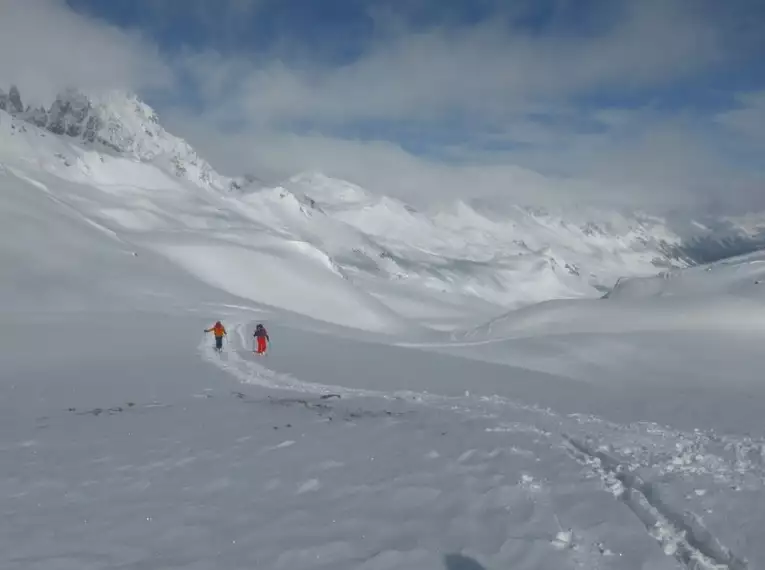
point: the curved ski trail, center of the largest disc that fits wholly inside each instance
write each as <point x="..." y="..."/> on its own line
<point x="698" y="468"/>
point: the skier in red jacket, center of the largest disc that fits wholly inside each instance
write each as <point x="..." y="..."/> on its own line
<point x="261" y="334"/>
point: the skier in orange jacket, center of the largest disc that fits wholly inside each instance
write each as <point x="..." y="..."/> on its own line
<point x="219" y="331"/>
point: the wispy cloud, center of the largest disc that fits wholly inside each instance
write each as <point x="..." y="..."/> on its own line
<point x="46" y="46"/>
<point x="486" y="70"/>
<point x="630" y="105"/>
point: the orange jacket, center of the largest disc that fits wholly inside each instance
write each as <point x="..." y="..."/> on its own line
<point x="217" y="330"/>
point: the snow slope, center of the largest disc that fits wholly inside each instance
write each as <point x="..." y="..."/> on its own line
<point x="482" y="252"/>
<point x="620" y="432"/>
<point x="162" y="461"/>
<point x="199" y="230"/>
<point x="522" y="258"/>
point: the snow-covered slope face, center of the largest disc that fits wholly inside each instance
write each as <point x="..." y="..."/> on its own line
<point x="519" y="258"/>
<point x="94" y="197"/>
<point x="136" y="177"/>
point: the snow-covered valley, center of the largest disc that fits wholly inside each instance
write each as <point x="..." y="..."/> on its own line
<point x="445" y="389"/>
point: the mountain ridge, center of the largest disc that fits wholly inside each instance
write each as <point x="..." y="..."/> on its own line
<point x="506" y="253"/>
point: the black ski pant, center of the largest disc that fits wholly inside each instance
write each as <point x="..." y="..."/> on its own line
<point x="219" y="343"/>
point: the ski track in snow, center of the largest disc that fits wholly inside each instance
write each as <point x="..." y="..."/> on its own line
<point x="675" y="460"/>
<point x="681" y="535"/>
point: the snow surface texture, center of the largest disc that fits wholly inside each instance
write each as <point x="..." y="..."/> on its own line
<point x="394" y="423"/>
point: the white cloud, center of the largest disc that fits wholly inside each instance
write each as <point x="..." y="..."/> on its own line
<point x="382" y="167"/>
<point x="491" y="83"/>
<point x="486" y="71"/>
<point x="470" y="96"/>
<point x="662" y="166"/>
<point x="47" y="47"/>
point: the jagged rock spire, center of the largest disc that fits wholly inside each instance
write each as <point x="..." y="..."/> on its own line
<point x="72" y="114"/>
<point x="11" y="102"/>
<point x="122" y="123"/>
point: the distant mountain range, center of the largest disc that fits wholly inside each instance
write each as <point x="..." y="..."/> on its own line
<point x="503" y="253"/>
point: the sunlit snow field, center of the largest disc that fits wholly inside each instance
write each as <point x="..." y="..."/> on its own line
<point x="394" y="423"/>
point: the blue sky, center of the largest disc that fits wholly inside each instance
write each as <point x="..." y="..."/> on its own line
<point x="650" y="101"/>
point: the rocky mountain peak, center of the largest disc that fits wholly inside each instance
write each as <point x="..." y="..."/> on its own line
<point x="71" y="114"/>
<point x="122" y="123"/>
<point x="11" y="102"/>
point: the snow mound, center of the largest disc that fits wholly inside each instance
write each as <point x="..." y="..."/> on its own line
<point x="291" y="276"/>
<point x="280" y="202"/>
<point x="329" y="192"/>
<point x="735" y="276"/>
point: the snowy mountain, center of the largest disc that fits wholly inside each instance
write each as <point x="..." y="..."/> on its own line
<point x="709" y="238"/>
<point x="500" y="255"/>
<point x="443" y="390"/>
<point x="122" y="123"/>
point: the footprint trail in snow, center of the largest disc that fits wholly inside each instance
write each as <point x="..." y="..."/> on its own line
<point x="530" y="478"/>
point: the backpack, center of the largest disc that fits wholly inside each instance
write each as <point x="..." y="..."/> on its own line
<point x="260" y="330"/>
